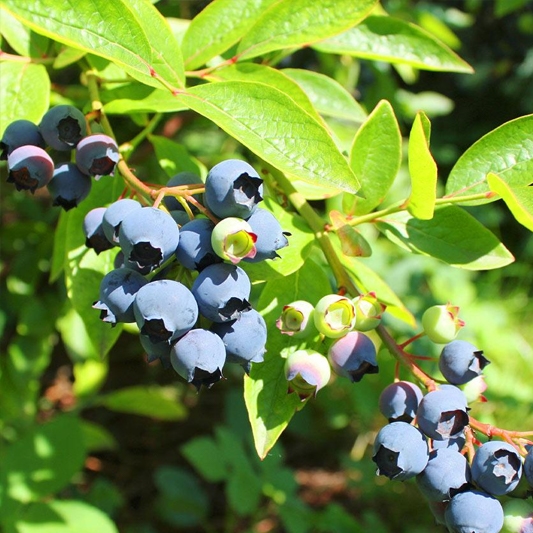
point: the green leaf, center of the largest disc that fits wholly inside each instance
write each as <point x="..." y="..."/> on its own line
<point x="299" y="23"/>
<point x="353" y="244"/>
<point x="506" y="151"/>
<point x="375" y="158"/>
<point x="519" y="200"/>
<point x="220" y="25"/>
<point x="204" y="454"/>
<point x="64" y="516"/>
<point x="97" y="438"/>
<point x="24" y="41"/>
<point x="328" y="96"/>
<point x="24" y="93"/>
<point x="43" y="461"/>
<point x="384" y="38"/>
<point x="174" y="157"/>
<point x="269" y="406"/>
<point x="131" y="33"/>
<point x="274" y="127"/>
<point x="452" y="235"/>
<point x="423" y="170"/>
<point x="161" y="403"/>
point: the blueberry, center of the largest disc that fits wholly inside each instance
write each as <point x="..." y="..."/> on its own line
<point x="244" y="338"/>
<point x="400" y="451"/>
<point x="232" y="239"/>
<point x="307" y="371"/>
<point x="182" y="178"/>
<point x="222" y="291"/>
<point x="233" y="189"/>
<point x="121" y="262"/>
<point x="148" y="237"/>
<point x="474" y="512"/>
<point x="446" y="474"/>
<point x="63" y="127"/>
<point x="97" y="155"/>
<point x="334" y="315"/>
<point x="199" y="357"/>
<point x="442" y="413"/>
<point x="456" y="443"/>
<point x="297" y="319"/>
<point x="165" y="310"/>
<point x="497" y="467"/>
<point x="353" y="356"/>
<point x="68" y="186"/>
<point x="270" y="235"/>
<point x="114" y="216"/>
<point x="94" y="232"/>
<point x="20" y="133"/>
<point x="194" y="248"/>
<point x="117" y="293"/>
<point x="528" y="466"/>
<point x="399" y="401"/>
<point x="460" y="362"/>
<point x="156" y="350"/>
<point x="29" y="168"/>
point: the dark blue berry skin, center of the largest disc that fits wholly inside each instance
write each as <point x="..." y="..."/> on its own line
<point x="233" y="189"/>
<point x="194" y="248"/>
<point x="114" y="216"/>
<point x="148" y="237"/>
<point x="165" y="310"/>
<point x="117" y="293"/>
<point x="456" y="443"/>
<point x="399" y="401"/>
<point x="244" y="338"/>
<point x="121" y="262"/>
<point x="496" y="468"/>
<point x="63" y="127"/>
<point x="29" y="168"/>
<point x="353" y="356"/>
<point x="20" y="133"/>
<point x="68" y="186"/>
<point x="400" y="451"/>
<point x="446" y="474"/>
<point x="442" y="413"/>
<point x="474" y="512"/>
<point x="156" y="350"/>
<point x="97" y="155"/>
<point x="198" y="357"/>
<point x="270" y="235"/>
<point x="95" y="237"/>
<point x="460" y="362"/>
<point x="182" y="178"/>
<point x="222" y="291"/>
<point x="528" y="466"/>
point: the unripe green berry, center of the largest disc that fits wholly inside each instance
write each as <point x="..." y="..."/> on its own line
<point x="441" y="323"/>
<point x="334" y="316"/>
<point x="368" y="311"/>
<point x="232" y="239"/>
<point x="297" y="319"/>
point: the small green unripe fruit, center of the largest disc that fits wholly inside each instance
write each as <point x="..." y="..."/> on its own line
<point x="334" y="316"/>
<point x="368" y="311"/>
<point x="441" y="323"/>
<point x="296" y="319"/>
<point x="518" y="516"/>
<point x="307" y="371"/>
<point x="232" y="239"/>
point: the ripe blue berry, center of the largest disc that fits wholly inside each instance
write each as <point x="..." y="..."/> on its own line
<point x="460" y="362"/>
<point x="148" y="237"/>
<point x="115" y="214"/>
<point x="182" y="178"/>
<point x="474" y="512"/>
<point x="156" y="350"/>
<point x="399" y="401"/>
<point x="456" y="443"/>
<point x="244" y="338"/>
<point x="117" y="293"/>
<point x="29" y="168"/>
<point x="233" y="189"/>
<point x="68" y="186"/>
<point x="353" y="356"/>
<point x="442" y="413"/>
<point x="222" y="291"/>
<point x="63" y="127"/>
<point x="307" y="371"/>
<point x="97" y="155"/>
<point x="497" y="467"/>
<point x="20" y="133"/>
<point x="95" y="237"/>
<point x="199" y="357"/>
<point x="528" y="466"/>
<point x="400" y="451"/>
<point x="165" y="310"/>
<point x="270" y="235"/>
<point x="194" y="248"/>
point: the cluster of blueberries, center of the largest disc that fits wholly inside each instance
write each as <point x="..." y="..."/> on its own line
<point x="195" y="330"/>
<point x="424" y="440"/>
<point x="63" y="128"/>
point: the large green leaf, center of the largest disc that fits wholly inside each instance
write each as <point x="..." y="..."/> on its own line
<point x="389" y="39"/>
<point x="220" y="25"/>
<point x="274" y="127"/>
<point x="422" y="169"/>
<point x="174" y="157"/>
<point x="24" y="92"/>
<point x="300" y="22"/>
<point x="24" y="41"/>
<point x="375" y="158"/>
<point x="269" y="406"/>
<point x="452" y="235"/>
<point x="131" y="33"/>
<point x="506" y="151"/>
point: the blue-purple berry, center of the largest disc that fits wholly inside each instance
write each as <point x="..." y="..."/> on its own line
<point x="194" y="249"/>
<point x="29" y="168"/>
<point x="97" y="155"/>
<point x="63" y="127"/>
<point x="270" y="235"/>
<point x="399" y="401"/>
<point x="182" y="178"/>
<point x="353" y="356"/>
<point x="460" y="362"/>
<point x="68" y="186"/>
<point x="115" y="214"/>
<point x="473" y="511"/>
<point x="95" y="237"/>
<point x="20" y="133"/>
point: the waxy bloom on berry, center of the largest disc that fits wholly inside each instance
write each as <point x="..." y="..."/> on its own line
<point x="307" y="371"/>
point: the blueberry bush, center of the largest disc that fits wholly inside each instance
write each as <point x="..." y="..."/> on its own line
<point x="243" y="271"/>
